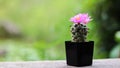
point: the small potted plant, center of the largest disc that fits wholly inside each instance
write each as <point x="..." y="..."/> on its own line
<point x="79" y="52"/>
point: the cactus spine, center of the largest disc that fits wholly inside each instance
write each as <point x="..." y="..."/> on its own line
<point x="79" y="32"/>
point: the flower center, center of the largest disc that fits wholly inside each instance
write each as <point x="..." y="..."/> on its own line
<point x="77" y="18"/>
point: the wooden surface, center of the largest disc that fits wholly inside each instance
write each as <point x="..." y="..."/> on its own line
<point x="101" y="63"/>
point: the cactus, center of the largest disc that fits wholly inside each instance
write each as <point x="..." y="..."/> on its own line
<point x="79" y="29"/>
<point x="79" y="32"/>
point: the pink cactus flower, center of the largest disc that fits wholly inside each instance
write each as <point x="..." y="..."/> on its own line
<point x="81" y="18"/>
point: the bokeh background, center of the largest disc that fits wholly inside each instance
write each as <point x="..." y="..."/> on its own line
<point x="33" y="30"/>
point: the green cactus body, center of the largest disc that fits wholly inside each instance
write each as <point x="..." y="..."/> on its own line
<point x="79" y="32"/>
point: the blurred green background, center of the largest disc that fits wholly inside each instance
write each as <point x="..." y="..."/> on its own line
<point x="33" y="30"/>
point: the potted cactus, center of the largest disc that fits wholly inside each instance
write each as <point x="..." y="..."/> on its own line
<point x="79" y="52"/>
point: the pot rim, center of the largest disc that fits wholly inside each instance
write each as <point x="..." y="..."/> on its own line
<point x="80" y="42"/>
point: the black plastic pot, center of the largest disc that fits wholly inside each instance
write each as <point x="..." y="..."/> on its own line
<point x="79" y="53"/>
